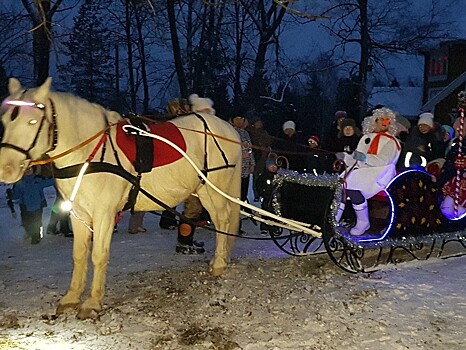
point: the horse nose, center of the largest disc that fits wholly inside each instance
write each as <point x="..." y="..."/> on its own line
<point x="6" y="172"/>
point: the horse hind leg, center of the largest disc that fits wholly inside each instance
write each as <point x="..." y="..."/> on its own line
<point x="225" y="216"/>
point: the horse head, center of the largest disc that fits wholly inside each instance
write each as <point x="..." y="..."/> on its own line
<point x="27" y="117"/>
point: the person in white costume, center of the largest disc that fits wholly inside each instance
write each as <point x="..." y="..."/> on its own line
<point x="371" y="166"/>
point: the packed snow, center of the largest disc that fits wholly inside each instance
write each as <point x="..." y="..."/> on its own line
<point x="157" y="299"/>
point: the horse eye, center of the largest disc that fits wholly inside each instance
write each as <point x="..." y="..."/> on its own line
<point x="15" y="113"/>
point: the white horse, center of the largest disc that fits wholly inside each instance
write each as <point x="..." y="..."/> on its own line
<point x="40" y="123"/>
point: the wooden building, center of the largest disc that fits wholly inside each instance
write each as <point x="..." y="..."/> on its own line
<point x="444" y="78"/>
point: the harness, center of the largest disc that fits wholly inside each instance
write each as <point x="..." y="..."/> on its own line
<point x="52" y="126"/>
<point x="142" y="164"/>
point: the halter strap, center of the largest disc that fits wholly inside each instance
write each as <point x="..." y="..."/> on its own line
<point x="26" y="152"/>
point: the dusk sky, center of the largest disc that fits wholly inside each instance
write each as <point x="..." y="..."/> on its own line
<point x="311" y="39"/>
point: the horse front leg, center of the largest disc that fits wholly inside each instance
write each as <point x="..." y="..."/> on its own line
<point x="81" y="246"/>
<point x="100" y="257"/>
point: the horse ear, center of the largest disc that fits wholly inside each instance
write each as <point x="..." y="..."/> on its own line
<point x="42" y="91"/>
<point x="13" y="85"/>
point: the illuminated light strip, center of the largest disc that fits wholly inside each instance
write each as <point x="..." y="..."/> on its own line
<point x="407" y="159"/>
<point x="392" y="209"/>
<point x="423" y="161"/>
<point x="20" y="103"/>
<point x="68" y="204"/>
<point x="458" y="170"/>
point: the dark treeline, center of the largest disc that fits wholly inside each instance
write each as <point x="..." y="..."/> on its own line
<point x="135" y="55"/>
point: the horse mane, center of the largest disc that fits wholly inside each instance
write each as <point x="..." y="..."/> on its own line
<point x="85" y="107"/>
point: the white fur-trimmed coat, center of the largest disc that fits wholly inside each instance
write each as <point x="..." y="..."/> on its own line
<point x="377" y="170"/>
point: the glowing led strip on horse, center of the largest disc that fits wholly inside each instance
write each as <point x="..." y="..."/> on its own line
<point x="68" y="204"/>
<point x="296" y="225"/>
<point x="19" y="103"/>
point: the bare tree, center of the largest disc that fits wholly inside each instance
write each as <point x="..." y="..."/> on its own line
<point x="41" y="13"/>
<point x="14" y="44"/>
<point x="379" y="28"/>
<point x="177" y="55"/>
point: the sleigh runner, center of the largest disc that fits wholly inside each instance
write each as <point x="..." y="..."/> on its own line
<point x="406" y="221"/>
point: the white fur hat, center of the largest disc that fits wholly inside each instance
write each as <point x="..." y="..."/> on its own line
<point x="289" y="125"/>
<point x="201" y="104"/>
<point x="426" y="118"/>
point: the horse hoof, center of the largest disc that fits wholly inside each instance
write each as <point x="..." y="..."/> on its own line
<point x="64" y="308"/>
<point x="218" y="271"/>
<point x="85" y="314"/>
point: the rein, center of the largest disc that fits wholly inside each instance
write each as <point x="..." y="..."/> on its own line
<point x="102" y="167"/>
<point x="75" y="148"/>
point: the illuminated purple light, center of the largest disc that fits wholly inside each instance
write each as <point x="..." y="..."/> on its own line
<point x="453" y="218"/>
<point x="392" y="210"/>
<point x="21" y="103"/>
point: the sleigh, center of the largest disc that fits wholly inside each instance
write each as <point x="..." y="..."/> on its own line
<point x="406" y="221"/>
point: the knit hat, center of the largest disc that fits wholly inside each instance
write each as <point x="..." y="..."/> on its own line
<point x="403" y="121"/>
<point x="340" y="114"/>
<point x="347" y="122"/>
<point x="289" y="125"/>
<point x="427" y="119"/>
<point x="448" y="129"/>
<point x="314" y="138"/>
<point x="270" y="162"/>
<point x="200" y="104"/>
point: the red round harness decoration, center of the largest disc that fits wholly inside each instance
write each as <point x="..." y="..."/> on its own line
<point x="163" y="154"/>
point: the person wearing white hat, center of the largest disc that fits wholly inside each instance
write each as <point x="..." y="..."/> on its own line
<point x="423" y="144"/>
<point x="290" y="146"/>
<point x="289" y="128"/>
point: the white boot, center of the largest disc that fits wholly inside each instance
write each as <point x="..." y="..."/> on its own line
<point x="362" y="219"/>
<point x="340" y="211"/>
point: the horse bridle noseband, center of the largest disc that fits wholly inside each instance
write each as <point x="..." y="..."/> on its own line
<point x="52" y="127"/>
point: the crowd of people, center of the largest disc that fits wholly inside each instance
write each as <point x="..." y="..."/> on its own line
<point x="386" y="144"/>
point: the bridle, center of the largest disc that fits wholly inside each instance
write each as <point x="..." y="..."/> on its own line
<point x="53" y="133"/>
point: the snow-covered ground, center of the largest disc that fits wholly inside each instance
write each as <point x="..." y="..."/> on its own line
<point x="157" y="299"/>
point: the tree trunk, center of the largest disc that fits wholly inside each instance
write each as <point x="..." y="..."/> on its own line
<point x="41" y="17"/>
<point x="176" y="48"/>
<point x="142" y="52"/>
<point x="129" y="48"/>
<point x="364" y="62"/>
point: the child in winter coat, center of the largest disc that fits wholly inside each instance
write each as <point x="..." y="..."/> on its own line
<point x="265" y="187"/>
<point x="29" y="193"/>
<point x="348" y="136"/>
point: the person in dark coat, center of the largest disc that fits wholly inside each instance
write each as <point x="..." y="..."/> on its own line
<point x="290" y="147"/>
<point x="262" y="142"/>
<point x="348" y="137"/>
<point x="317" y="161"/>
<point x="59" y="219"/>
<point x="265" y="187"/>
<point x="29" y="193"/>
<point x="423" y="144"/>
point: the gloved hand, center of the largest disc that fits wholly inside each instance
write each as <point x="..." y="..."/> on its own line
<point x="359" y="156"/>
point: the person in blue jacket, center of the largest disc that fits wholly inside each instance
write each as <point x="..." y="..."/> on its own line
<point x="29" y="194"/>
